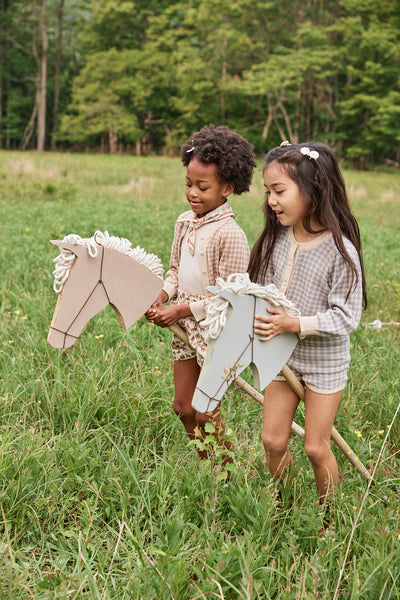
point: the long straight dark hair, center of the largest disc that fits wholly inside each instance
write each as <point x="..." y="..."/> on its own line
<point x="323" y="190"/>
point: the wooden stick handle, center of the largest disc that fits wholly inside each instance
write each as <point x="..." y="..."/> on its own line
<point x="337" y="438"/>
<point x="241" y="383"/>
<point x="298" y="388"/>
<point x="246" y="387"/>
<point x="180" y="333"/>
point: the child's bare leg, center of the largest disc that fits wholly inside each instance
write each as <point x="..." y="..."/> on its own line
<point x="320" y="414"/>
<point x="186" y="374"/>
<point x="280" y="403"/>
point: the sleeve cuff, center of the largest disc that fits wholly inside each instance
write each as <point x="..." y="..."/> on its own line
<point x="169" y="289"/>
<point x="308" y="326"/>
<point x="198" y="310"/>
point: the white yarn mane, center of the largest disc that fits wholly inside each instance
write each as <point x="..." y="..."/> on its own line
<point x="66" y="258"/>
<point x="239" y="283"/>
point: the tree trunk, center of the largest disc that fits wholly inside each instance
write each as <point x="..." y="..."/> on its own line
<point x="3" y="32"/>
<point x="297" y="116"/>
<point x="223" y="79"/>
<point x="286" y="119"/>
<point x="112" y="141"/>
<point x="268" y="122"/>
<point x="42" y="72"/>
<point x="282" y="134"/>
<point x="1" y="86"/>
<point x="57" y="75"/>
<point x="31" y="125"/>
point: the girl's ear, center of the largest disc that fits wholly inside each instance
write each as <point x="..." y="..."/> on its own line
<point x="229" y="189"/>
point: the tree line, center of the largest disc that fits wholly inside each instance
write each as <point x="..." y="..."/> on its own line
<point x="140" y="75"/>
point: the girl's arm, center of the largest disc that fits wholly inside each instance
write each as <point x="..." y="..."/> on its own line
<point x="230" y="255"/>
<point x="342" y="316"/>
<point x="168" y="315"/>
<point x="159" y="301"/>
<point x="159" y="313"/>
<point x="234" y="253"/>
<point x="165" y="316"/>
<point x="171" y="277"/>
<point x="344" y="313"/>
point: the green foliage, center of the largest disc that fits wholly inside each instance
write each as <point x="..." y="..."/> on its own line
<point x="150" y="72"/>
<point x="102" y="98"/>
<point x="369" y="42"/>
<point x="101" y="495"/>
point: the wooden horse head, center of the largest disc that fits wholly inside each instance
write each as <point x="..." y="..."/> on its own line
<point x="236" y="347"/>
<point x="100" y="275"/>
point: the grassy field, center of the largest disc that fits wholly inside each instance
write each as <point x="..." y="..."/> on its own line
<point x="100" y="494"/>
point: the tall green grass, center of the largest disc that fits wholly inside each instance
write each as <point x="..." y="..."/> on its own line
<point x="100" y="494"/>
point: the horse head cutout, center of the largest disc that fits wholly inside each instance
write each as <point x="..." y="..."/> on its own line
<point x="234" y="346"/>
<point x="92" y="273"/>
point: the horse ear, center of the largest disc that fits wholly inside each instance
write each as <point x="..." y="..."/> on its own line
<point x="213" y="289"/>
<point x="230" y="296"/>
<point x="74" y="248"/>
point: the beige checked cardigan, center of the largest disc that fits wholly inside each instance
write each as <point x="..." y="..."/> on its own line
<point x="223" y="251"/>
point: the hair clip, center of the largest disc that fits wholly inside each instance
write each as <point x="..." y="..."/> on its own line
<point x="310" y="153"/>
<point x="285" y="143"/>
<point x="191" y="149"/>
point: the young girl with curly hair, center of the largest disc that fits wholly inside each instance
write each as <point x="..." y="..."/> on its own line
<point x="310" y="249"/>
<point x="207" y="244"/>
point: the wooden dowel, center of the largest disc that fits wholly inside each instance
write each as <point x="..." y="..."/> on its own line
<point x="246" y="387"/>
<point x="337" y="438"/>
<point x="299" y="390"/>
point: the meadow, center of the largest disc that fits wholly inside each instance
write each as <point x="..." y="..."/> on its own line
<point x="101" y="496"/>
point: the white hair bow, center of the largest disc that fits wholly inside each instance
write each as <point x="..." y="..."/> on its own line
<point x="310" y="153"/>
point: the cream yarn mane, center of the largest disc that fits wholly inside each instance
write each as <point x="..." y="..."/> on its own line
<point x="239" y="283"/>
<point x="66" y="258"/>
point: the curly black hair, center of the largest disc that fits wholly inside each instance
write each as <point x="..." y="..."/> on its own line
<point x="229" y="151"/>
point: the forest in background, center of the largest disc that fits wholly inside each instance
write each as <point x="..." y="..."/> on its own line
<point x="139" y="76"/>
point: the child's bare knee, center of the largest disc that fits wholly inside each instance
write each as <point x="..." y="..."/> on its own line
<point x="317" y="453"/>
<point x="273" y="443"/>
<point x="183" y="409"/>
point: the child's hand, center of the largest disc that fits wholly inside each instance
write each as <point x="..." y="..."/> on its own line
<point x="165" y="316"/>
<point x="159" y="301"/>
<point x="275" y="323"/>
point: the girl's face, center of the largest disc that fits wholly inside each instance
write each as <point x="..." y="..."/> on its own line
<point x="284" y="198"/>
<point x="205" y="190"/>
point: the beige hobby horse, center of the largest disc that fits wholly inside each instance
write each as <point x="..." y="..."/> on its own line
<point x="92" y="273"/>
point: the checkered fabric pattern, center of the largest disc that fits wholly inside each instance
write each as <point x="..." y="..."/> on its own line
<point x="223" y="250"/>
<point x="316" y="278"/>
